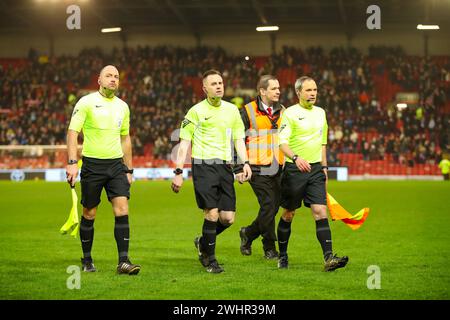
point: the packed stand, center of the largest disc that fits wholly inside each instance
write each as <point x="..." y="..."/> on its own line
<point x="161" y="83"/>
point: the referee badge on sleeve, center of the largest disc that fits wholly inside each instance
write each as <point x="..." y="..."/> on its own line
<point x="185" y="123"/>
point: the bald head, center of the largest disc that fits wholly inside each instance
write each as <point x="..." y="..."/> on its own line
<point x="109" y="68"/>
<point x="108" y="79"/>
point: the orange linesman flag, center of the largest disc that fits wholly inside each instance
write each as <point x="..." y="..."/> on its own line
<point x="337" y="212"/>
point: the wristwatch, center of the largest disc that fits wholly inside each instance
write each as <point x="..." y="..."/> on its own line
<point x="129" y="171"/>
<point x="178" y="171"/>
<point x="294" y="158"/>
<point x="324" y="167"/>
<point x="72" y="161"/>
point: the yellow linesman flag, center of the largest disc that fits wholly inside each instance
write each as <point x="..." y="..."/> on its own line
<point x="72" y="224"/>
<point x="337" y="212"/>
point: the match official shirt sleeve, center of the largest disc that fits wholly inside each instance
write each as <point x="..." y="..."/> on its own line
<point x="78" y="116"/>
<point x="238" y="128"/>
<point x="188" y="125"/>
<point x="285" y="130"/>
<point x="125" y="129"/>
<point x="325" y="132"/>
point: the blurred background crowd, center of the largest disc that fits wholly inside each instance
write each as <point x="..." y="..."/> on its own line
<point x="160" y="84"/>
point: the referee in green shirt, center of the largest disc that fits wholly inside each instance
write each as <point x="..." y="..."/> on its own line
<point x="107" y="163"/>
<point x="303" y="139"/>
<point x="210" y="126"/>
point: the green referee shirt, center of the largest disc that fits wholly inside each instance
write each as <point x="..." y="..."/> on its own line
<point x="444" y="165"/>
<point x="211" y="129"/>
<point x="103" y="120"/>
<point x="304" y="131"/>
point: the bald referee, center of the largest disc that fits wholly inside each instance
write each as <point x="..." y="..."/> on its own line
<point x="107" y="163"/>
<point x="210" y="126"/>
<point x="303" y="139"/>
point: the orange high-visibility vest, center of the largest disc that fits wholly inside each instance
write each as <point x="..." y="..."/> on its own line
<point x="262" y="137"/>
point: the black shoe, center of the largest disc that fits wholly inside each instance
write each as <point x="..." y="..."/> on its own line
<point x="246" y="244"/>
<point x="334" y="262"/>
<point x="202" y="256"/>
<point x="214" y="267"/>
<point x="87" y="265"/>
<point x="126" y="267"/>
<point x="283" y="262"/>
<point x="271" y="254"/>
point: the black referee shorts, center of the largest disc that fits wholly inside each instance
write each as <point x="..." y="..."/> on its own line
<point x="297" y="186"/>
<point x="97" y="174"/>
<point x="214" y="185"/>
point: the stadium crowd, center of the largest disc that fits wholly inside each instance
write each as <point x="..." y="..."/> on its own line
<point x="37" y="97"/>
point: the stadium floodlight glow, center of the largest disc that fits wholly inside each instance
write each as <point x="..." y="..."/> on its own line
<point x="427" y="27"/>
<point x="401" y="106"/>
<point x="268" y="28"/>
<point x="106" y="30"/>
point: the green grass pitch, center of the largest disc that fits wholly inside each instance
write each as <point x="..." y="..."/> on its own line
<point x="407" y="235"/>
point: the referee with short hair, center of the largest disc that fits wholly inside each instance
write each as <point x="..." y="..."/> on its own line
<point x="303" y="139"/>
<point x="211" y="125"/>
<point x="107" y="163"/>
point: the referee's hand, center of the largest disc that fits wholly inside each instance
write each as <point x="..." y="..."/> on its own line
<point x="240" y="177"/>
<point x="130" y="178"/>
<point x="303" y="165"/>
<point x="247" y="172"/>
<point x="177" y="182"/>
<point x="71" y="173"/>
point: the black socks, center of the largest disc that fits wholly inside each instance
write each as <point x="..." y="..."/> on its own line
<point x="209" y="235"/>
<point x="323" y="233"/>
<point x="122" y="236"/>
<point x="283" y="232"/>
<point x="221" y="227"/>
<point x="87" y="237"/>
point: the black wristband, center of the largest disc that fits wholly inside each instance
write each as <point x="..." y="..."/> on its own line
<point x="72" y="161"/>
<point x="247" y="162"/>
<point x="324" y="167"/>
<point x="178" y="171"/>
<point x="129" y="171"/>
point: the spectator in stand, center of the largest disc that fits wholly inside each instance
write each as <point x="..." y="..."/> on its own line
<point x="36" y="99"/>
